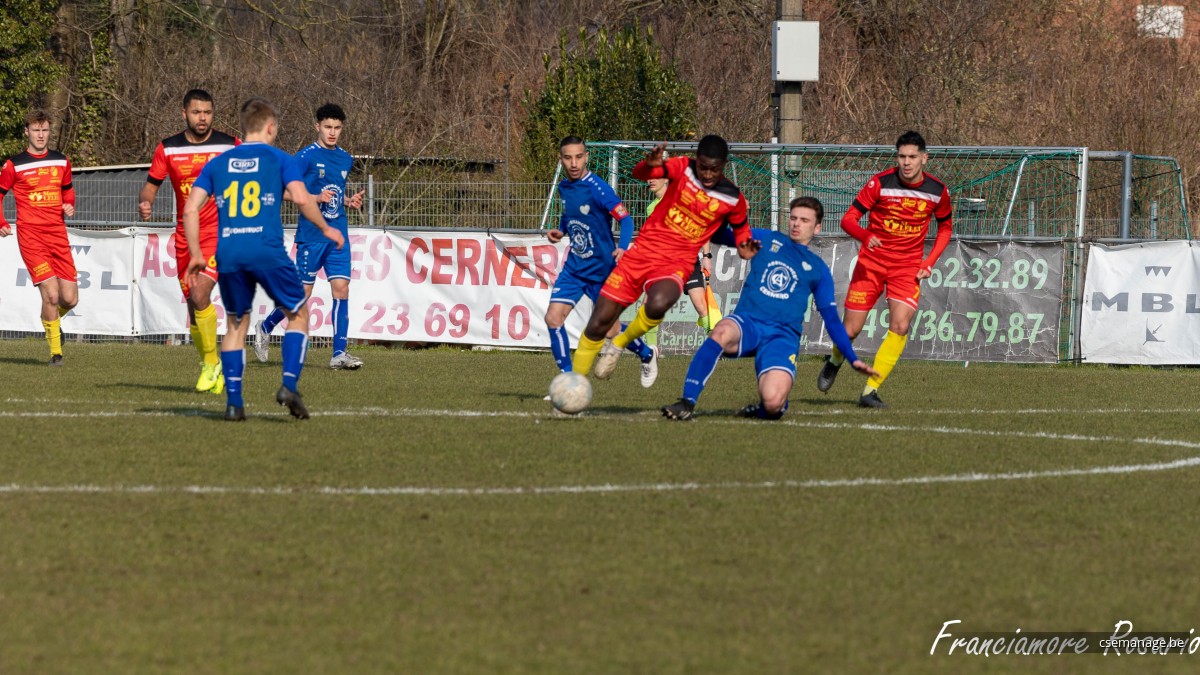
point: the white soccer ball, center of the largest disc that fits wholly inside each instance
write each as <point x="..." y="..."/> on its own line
<point x="570" y="392"/>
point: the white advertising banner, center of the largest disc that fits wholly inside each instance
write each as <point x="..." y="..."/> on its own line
<point x="1141" y="304"/>
<point x="412" y="286"/>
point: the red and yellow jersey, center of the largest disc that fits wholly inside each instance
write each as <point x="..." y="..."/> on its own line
<point x="181" y="160"/>
<point x="41" y="185"/>
<point x="689" y="213"/>
<point x="899" y="214"/>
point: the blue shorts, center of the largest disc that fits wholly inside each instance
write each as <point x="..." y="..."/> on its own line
<point x="774" y="347"/>
<point x="568" y="289"/>
<point x="311" y="256"/>
<point x="281" y="284"/>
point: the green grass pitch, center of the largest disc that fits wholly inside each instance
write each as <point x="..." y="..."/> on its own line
<point x="433" y="516"/>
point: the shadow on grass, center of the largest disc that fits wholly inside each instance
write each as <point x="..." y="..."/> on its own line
<point x="18" y="361"/>
<point x="218" y="415"/>
<point x="173" y="388"/>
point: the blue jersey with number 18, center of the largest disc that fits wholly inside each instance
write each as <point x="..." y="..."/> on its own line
<point x="247" y="184"/>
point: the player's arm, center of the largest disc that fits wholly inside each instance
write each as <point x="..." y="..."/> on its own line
<point x="154" y="180"/>
<point x="653" y="166"/>
<point x="609" y="201"/>
<point x="67" y="190"/>
<point x="309" y="209"/>
<point x="945" y="228"/>
<point x="8" y="177"/>
<point x="862" y="205"/>
<point x="737" y="219"/>
<point x="191" y="227"/>
<point x="823" y="297"/>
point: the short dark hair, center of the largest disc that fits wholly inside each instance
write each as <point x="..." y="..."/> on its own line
<point x="331" y="111"/>
<point x="196" y="95"/>
<point x="811" y="203"/>
<point x="911" y="138"/>
<point x="571" y="140"/>
<point x="256" y="113"/>
<point x="37" y="115"/>
<point x="713" y="147"/>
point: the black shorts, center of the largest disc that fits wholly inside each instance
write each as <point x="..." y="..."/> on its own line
<point x="696" y="280"/>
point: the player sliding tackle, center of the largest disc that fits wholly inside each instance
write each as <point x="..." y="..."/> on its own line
<point x="766" y="324"/>
<point x="248" y="183"/>
<point x="699" y="199"/>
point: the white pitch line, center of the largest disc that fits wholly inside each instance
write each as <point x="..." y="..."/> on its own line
<point x="416" y="491"/>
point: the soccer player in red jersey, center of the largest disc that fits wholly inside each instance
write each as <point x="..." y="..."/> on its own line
<point x="40" y="180"/>
<point x="900" y="203"/>
<point x="699" y="199"/>
<point x="181" y="157"/>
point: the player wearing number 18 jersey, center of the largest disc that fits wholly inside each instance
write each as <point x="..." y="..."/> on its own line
<point x="181" y="158"/>
<point x="248" y="184"/>
<point x="900" y="203"/>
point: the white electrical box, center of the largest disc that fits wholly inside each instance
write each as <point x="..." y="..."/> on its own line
<point x="795" y="51"/>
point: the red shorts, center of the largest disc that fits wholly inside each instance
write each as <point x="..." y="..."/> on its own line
<point x="47" y="256"/>
<point x="870" y="278"/>
<point x="208" y="247"/>
<point x="635" y="272"/>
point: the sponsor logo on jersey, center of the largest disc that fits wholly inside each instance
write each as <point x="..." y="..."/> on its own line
<point x="243" y="165"/>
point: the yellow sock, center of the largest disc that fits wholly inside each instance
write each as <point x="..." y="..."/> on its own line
<point x="585" y="354"/>
<point x="53" y="336"/>
<point x="63" y="311"/>
<point x="640" y="325"/>
<point x="837" y="358"/>
<point x="204" y="332"/>
<point x="885" y="359"/>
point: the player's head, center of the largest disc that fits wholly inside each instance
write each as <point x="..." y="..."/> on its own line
<point x="911" y="156"/>
<point x="198" y="112"/>
<point x="37" y="129"/>
<point x="711" y="155"/>
<point x="804" y="222"/>
<point x="330" y="121"/>
<point x="574" y="157"/>
<point x="658" y="186"/>
<point x="260" y="118"/>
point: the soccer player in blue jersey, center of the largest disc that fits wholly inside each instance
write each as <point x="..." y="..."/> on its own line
<point x="768" y="318"/>
<point x="589" y="205"/>
<point x="325" y="167"/>
<point x="248" y="184"/>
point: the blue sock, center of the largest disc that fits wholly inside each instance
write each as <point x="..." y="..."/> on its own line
<point x="639" y="347"/>
<point x="702" y="367"/>
<point x="341" y="325"/>
<point x="273" y="319"/>
<point x="232" y="365"/>
<point x="560" y="347"/>
<point x="295" y="346"/>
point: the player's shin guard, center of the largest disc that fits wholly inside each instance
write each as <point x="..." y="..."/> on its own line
<point x="341" y="324"/>
<point x="639" y="347"/>
<point x="273" y="319"/>
<point x="637" y="328"/>
<point x="295" y="346"/>
<point x="702" y="367"/>
<point x="205" y="334"/>
<point x="885" y="359"/>
<point x="53" y="336"/>
<point x="233" y="363"/>
<point x="585" y="354"/>
<point x="560" y="347"/>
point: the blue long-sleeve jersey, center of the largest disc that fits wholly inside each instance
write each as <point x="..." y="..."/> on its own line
<point x="782" y="277"/>
<point x="589" y="205"/>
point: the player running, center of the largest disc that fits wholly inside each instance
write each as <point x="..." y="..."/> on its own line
<point x="900" y="202"/>
<point x="699" y="199"/>
<point x="325" y="166"/>
<point x="769" y="316"/>
<point x="248" y="183"/>
<point x="180" y="158"/>
<point x="40" y="180"/>
<point x="589" y="205"/>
